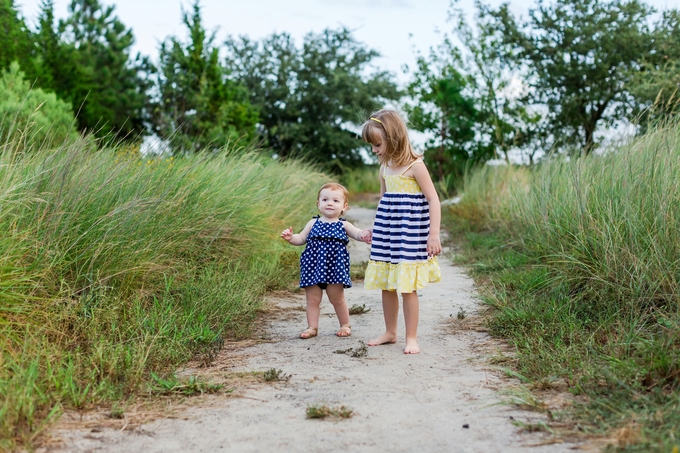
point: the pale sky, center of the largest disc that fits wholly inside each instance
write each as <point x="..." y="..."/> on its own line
<point x="392" y="27"/>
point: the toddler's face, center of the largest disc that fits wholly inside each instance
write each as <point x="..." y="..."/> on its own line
<point x="331" y="203"/>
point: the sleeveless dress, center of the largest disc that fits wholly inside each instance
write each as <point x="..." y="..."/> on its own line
<point x="399" y="260"/>
<point x="325" y="260"/>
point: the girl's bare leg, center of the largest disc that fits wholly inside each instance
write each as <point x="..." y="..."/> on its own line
<point x="390" y="302"/>
<point x="314" y="295"/>
<point x="411" y="314"/>
<point x="336" y="294"/>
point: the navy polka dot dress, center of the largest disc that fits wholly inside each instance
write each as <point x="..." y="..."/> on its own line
<point x="325" y="260"/>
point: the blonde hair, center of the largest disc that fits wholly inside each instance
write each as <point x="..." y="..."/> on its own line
<point x="388" y="126"/>
<point x="334" y="186"/>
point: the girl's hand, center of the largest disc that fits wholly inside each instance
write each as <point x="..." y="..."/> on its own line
<point x="367" y="236"/>
<point x="287" y="234"/>
<point x="434" y="245"/>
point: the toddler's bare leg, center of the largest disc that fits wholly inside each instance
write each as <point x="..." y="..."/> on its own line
<point x="411" y="314"/>
<point x="390" y="302"/>
<point x="336" y="294"/>
<point x="314" y="295"/>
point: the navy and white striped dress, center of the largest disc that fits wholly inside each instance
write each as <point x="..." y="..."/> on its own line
<point x="399" y="260"/>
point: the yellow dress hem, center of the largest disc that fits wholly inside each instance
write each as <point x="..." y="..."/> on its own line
<point x="404" y="277"/>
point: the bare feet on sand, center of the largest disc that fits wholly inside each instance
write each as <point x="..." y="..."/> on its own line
<point x="386" y="338"/>
<point x="411" y="346"/>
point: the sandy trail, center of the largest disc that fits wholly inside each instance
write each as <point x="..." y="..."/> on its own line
<point x="444" y="399"/>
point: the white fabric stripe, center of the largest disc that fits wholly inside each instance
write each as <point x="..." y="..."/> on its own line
<point x="408" y="224"/>
<point x="399" y="260"/>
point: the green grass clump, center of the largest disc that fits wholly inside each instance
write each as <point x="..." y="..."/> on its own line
<point x="274" y="375"/>
<point x="323" y="411"/>
<point x="364" y="179"/>
<point x="357" y="309"/>
<point x="580" y="263"/>
<point x="361" y="351"/>
<point x="113" y="266"/>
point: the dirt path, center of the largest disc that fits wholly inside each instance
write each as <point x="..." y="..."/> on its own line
<point x="442" y="400"/>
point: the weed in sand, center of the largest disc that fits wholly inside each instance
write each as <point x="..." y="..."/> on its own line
<point x="274" y="375"/>
<point x="323" y="411"/>
<point x="358" y="309"/>
<point x="172" y="384"/>
<point x="117" y="412"/>
<point x="361" y="351"/>
<point x="462" y="314"/>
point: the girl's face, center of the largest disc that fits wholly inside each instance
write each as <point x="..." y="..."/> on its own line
<point x="331" y="203"/>
<point x="379" y="146"/>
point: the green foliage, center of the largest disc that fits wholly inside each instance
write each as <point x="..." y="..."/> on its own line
<point x="322" y="411"/>
<point x="364" y="179"/>
<point x="31" y="118"/>
<point x="578" y="67"/>
<point x="86" y="60"/>
<point x="274" y="375"/>
<point x="200" y="106"/>
<point x="656" y="86"/>
<point x="112" y="267"/>
<point x="310" y="96"/>
<point x="445" y="109"/>
<point x="191" y="386"/>
<point x="580" y="260"/>
<point x="16" y="41"/>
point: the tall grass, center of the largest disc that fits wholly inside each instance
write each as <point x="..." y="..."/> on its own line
<point x="364" y="179"/>
<point x="112" y="266"/>
<point x="584" y="269"/>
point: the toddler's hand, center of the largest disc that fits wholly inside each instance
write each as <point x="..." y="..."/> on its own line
<point x="287" y="234"/>
<point x="434" y="246"/>
<point x="367" y="236"/>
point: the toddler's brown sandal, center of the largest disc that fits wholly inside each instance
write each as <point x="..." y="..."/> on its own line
<point x="345" y="331"/>
<point x="309" y="333"/>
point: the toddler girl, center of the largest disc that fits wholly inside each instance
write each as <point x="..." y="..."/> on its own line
<point x="405" y="233"/>
<point x="324" y="264"/>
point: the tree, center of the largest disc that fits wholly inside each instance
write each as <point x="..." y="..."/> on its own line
<point x="581" y="54"/>
<point x="656" y="86"/>
<point x="30" y="116"/>
<point x="16" y="43"/>
<point x="507" y="120"/>
<point x="312" y="98"/>
<point x="86" y="61"/>
<point x="444" y="108"/>
<point x="200" y="107"/>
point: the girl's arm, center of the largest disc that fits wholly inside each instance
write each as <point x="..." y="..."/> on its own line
<point x="434" y="246"/>
<point x="356" y="233"/>
<point x="298" y="239"/>
<point x="381" y="174"/>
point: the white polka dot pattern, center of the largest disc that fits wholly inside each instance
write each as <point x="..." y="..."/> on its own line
<point x="325" y="259"/>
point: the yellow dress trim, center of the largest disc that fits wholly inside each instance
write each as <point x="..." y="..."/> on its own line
<point x="402" y="184"/>
<point x="404" y="277"/>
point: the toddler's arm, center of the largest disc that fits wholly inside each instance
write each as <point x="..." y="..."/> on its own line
<point x="356" y="233"/>
<point x="297" y="239"/>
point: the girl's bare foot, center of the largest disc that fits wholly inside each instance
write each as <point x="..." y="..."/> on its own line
<point x="385" y="338"/>
<point x="411" y="346"/>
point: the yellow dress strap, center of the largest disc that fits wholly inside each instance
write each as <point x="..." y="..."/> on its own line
<point x="411" y="165"/>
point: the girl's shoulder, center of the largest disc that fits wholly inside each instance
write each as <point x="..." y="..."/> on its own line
<point x="406" y="170"/>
